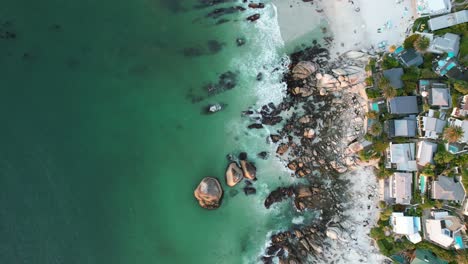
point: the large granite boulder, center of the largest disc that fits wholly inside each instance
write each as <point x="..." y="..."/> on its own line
<point x="303" y="70"/>
<point x="250" y="172"/>
<point x="233" y="174"/>
<point x="209" y="193"/>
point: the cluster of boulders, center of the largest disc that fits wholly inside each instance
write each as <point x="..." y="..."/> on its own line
<point x="209" y="192"/>
<point x="235" y="173"/>
<point x="317" y="142"/>
<point x="333" y="114"/>
<point x="295" y="246"/>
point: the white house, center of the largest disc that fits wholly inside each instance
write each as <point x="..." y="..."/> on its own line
<point x="403" y="156"/>
<point x="406" y="225"/>
<point x="444" y="230"/>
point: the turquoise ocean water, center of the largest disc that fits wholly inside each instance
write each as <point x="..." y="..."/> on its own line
<point x="101" y="147"/>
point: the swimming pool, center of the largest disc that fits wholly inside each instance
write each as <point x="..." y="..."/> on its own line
<point x="459" y="242"/>
<point x="375" y="107"/>
<point x="453" y="149"/>
<point x="422" y="184"/>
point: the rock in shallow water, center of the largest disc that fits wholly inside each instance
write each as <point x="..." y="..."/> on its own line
<point x="303" y="70"/>
<point x="233" y="174"/>
<point x="209" y="193"/>
<point x="249" y="170"/>
<point x="249" y="190"/>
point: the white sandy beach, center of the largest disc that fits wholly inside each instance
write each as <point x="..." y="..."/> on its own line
<point x="350" y="29"/>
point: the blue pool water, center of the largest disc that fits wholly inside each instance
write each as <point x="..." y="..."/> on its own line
<point x="375" y="107"/>
<point x="453" y="149"/>
<point x="459" y="241"/>
<point x="422" y="184"/>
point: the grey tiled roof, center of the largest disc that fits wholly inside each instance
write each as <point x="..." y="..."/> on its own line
<point x="445" y="188"/>
<point x="404" y="105"/>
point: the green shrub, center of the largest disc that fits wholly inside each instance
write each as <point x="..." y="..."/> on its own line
<point x="409" y="41"/>
<point x="388" y="62"/>
<point x="372" y="93"/>
<point x="369" y="81"/>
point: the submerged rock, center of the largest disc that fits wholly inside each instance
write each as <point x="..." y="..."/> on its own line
<point x="275" y="138"/>
<point x="249" y="190"/>
<point x="255" y="126"/>
<point x="209" y="193"/>
<point x="240" y="41"/>
<point x="233" y="174"/>
<point x="254" y="17"/>
<point x="250" y="172"/>
<point x="263" y="155"/>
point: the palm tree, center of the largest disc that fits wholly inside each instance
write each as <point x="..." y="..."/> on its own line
<point x="389" y="92"/>
<point x="421" y="44"/>
<point x="375" y="129"/>
<point x="453" y="133"/>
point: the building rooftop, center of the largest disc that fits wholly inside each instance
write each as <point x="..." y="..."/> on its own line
<point x="401" y="128"/>
<point x="409" y="57"/>
<point x="432" y="124"/>
<point x="444" y="44"/>
<point x="426" y="151"/>
<point x="404" y="105"/>
<point x="401" y="182"/>
<point x="448" y="20"/>
<point x="443" y="229"/>
<point x="403" y="155"/>
<point x="394" y="76"/>
<point x="439" y="97"/>
<point x="406" y="225"/>
<point x="446" y="188"/>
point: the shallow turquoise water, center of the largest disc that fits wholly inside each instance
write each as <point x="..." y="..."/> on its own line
<point x="101" y="148"/>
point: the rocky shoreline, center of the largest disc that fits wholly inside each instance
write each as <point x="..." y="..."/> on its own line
<point x="328" y="104"/>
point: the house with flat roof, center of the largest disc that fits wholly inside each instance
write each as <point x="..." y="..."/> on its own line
<point x="424" y="256"/>
<point x="448" y="188"/>
<point x="410" y="57"/>
<point x="431" y="127"/>
<point x="394" y="76"/>
<point x="402" y="156"/>
<point x="401" y="127"/>
<point x="400" y="187"/>
<point x="406" y="225"/>
<point x="444" y="230"/>
<point x="425" y="154"/>
<point x="444" y="44"/>
<point x="433" y="7"/>
<point x="448" y="20"/>
<point x="403" y="105"/>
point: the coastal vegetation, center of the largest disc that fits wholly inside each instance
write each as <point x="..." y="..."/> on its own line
<point x="422" y="44"/>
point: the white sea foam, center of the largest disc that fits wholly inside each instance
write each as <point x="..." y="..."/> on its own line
<point x="265" y="57"/>
<point x="298" y="220"/>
